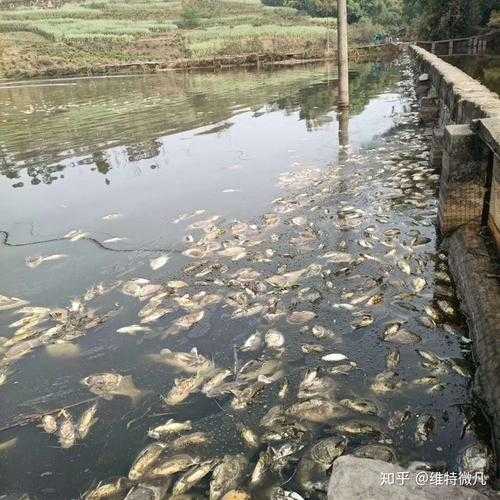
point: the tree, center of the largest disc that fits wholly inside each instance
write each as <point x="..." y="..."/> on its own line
<point x="447" y="18"/>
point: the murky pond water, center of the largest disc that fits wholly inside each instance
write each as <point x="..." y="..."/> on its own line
<point x="144" y="217"/>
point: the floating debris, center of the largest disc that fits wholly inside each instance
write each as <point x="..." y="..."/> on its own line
<point x="33" y="262"/>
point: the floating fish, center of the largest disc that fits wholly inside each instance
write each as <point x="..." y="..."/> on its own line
<point x="86" y="421"/>
<point x="133" y="329"/>
<point x="107" y="385"/>
<point x="33" y="262"/>
<point x="159" y="262"/>
<point x="334" y="356"/>
<point x="112" y="216"/>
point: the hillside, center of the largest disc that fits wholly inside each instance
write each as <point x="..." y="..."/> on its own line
<point x="57" y="38"/>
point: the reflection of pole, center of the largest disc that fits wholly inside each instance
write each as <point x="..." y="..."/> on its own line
<point x="344" y="127"/>
<point x="343" y="116"/>
<point x="342" y="53"/>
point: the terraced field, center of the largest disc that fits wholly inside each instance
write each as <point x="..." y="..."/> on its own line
<point x="90" y="36"/>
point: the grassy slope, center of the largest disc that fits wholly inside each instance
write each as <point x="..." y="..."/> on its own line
<point x="85" y="36"/>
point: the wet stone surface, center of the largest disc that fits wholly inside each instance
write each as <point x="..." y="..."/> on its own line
<point x="250" y="354"/>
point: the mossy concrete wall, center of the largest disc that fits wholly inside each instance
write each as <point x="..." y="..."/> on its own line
<point x="465" y="117"/>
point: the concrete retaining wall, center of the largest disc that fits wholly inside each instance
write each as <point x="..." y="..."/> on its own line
<point x="465" y="117"/>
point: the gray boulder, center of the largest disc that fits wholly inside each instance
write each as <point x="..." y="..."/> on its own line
<point x="361" y="478"/>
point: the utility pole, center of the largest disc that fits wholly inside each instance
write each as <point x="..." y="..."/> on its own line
<point x="343" y="60"/>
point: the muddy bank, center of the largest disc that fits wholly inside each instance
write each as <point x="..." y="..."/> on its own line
<point x="370" y="53"/>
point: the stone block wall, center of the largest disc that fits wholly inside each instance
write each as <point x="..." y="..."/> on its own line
<point x="462" y="158"/>
<point x="466" y="150"/>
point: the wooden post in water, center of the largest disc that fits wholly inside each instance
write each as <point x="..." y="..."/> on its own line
<point x="343" y="57"/>
<point x="450" y="48"/>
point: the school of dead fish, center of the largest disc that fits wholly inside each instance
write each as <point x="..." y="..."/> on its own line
<point x="231" y="268"/>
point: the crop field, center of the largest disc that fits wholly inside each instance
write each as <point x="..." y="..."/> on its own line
<point x="83" y="37"/>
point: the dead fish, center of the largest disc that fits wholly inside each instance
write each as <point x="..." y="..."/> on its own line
<point x="378" y="298"/>
<point x="286" y="280"/>
<point x="261" y="468"/>
<point x="343" y="369"/>
<point x="399" y="335"/>
<point x="271" y="379"/>
<point x="133" y="329"/>
<point x="33" y="262"/>
<point x="364" y="321"/>
<point x="250" y="437"/>
<point x="274" y="339"/>
<point x="49" y="424"/>
<point x="192" y="477"/>
<point x="459" y="366"/>
<point x="325" y="451"/>
<point x="419" y="284"/>
<point x="392" y="360"/>
<point x="172" y="465"/>
<point x="107" y="385"/>
<point x="442" y="276"/>
<point x="193" y="439"/>
<point x="67" y="431"/>
<point x="278" y="493"/>
<point x="149" y="491"/>
<point x="76" y="235"/>
<point x="376" y="452"/>
<point x="429" y="356"/>
<point x="114" y="240"/>
<point x="283" y="392"/>
<point x="7" y="445"/>
<point x="189" y="362"/>
<point x="156" y="314"/>
<point x="145" y="461"/>
<point x="301" y="317"/>
<point x="385" y="382"/>
<point x="236" y="495"/>
<point x="356" y="427"/>
<point x="227" y="475"/>
<point x="399" y="418"/>
<point x="404" y="266"/>
<point x="112" y="216"/>
<point x="276" y="415"/>
<point x="109" y="490"/>
<point x="176" y="284"/>
<point x="425" y="427"/>
<point x="234" y="253"/>
<point x="316" y="410"/>
<point x="347" y="307"/>
<point x="426" y="381"/>
<point x="431" y="312"/>
<point x="168" y="428"/>
<point x="9" y="303"/>
<point x="314" y="384"/>
<point x="312" y="348"/>
<point x="364" y="406"/>
<point x="140" y="288"/>
<point x="86" y="421"/>
<point x="183" y="388"/>
<point x="476" y="458"/>
<point x="188" y="321"/>
<point x="253" y="343"/>
<point x="338" y="257"/>
<point x="334" y="356"/>
<point x="321" y="332"/>
<point x="427" y="322"/>
<point x="216" y="381"/>
<point x="159" y="262"/>
<point x="245" y="396"/>
<point x="446" y="307"/>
